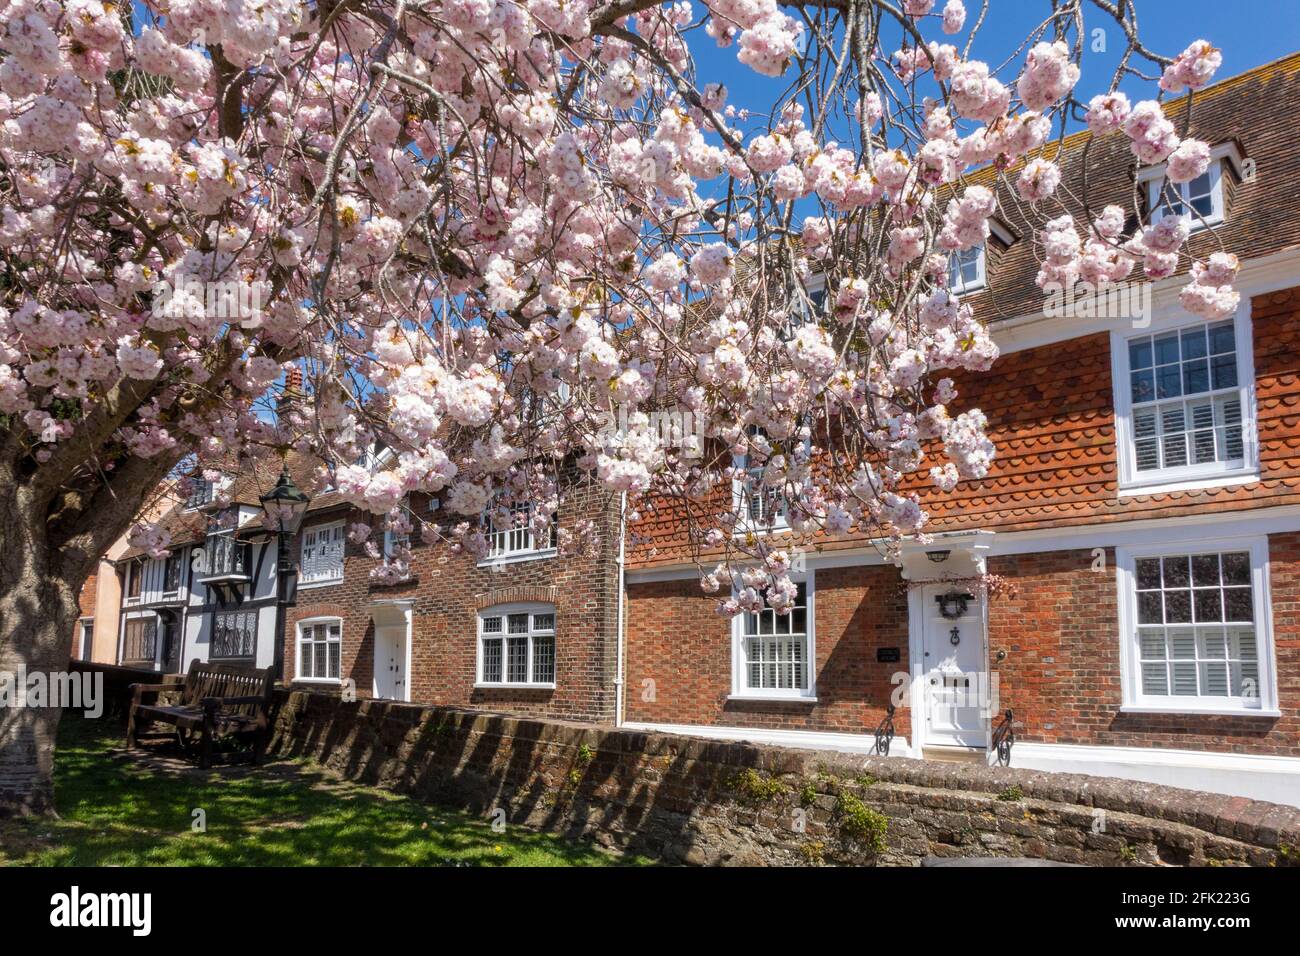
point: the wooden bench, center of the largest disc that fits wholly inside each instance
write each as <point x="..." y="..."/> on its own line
<point x="214" y="699"/>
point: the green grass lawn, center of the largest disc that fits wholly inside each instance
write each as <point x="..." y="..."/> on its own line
<point x="116" y="810"/>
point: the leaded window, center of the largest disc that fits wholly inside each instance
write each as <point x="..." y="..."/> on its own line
<point x="517" y="645"/>
<point x="234" y="635"/>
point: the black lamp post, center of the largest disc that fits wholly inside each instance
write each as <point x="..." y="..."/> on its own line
<point x="285" y="506"/>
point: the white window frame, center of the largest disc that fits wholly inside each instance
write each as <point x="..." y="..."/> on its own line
<point x="297" y="649"/>
<point x="504" y="611"/>
<point x="529" y="553"/>
<point x="980" y="281"/>
<point x="1185" y="477"/>
<point x="1152" y="179"/>
<point x="85" y="638"/>
<point x="390" y="542"/>
<point x="739" y="686"/>
<point x="134" y="567"/>
<point x="329" y="527"/>
<point x="1134" y="701"/>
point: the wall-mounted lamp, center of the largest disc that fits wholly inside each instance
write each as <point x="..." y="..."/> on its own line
<point x="938" y="557"/>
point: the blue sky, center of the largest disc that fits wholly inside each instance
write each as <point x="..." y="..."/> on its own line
<point x="1249" y="32"/>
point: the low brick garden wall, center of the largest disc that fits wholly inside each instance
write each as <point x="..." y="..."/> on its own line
<point x="688" y="800"/>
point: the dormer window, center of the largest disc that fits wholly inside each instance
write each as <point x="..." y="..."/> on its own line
<point x="761" y="506"/>
<point x="202" y="493"/>
<point x="967" y="270"/>
<point x="1202" y="199"/>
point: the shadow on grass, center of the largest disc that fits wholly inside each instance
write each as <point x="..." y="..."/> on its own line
<point x="128" y="810"/>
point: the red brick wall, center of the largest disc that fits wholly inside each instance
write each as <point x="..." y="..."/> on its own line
<point x="675" y="639"/>
<point x="1061" y="675"/>
<point x="448" y="589"/>
<point x="85" y="608"/>
<point x="1062" y="678"/>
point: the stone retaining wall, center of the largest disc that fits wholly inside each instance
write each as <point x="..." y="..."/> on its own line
<point x="698" y="801"/>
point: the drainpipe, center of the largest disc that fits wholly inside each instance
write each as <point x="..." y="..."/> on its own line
<point x="618" y="669"/>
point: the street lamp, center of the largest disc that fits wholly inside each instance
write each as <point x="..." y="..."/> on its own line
<point x="285" y="506"/>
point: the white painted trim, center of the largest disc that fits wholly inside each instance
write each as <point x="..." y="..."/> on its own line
<point x="1263" y="613"/>
<point x="504" y="611"/>
<point x="621" y="634"/>
<point x="804" y="739"/>
<point x="1226" y="150"/>
<point x="917" y="669"/>
<point x="981" y="280"/>
<point x="1154" y="183"/>
<point x="1244" y="523"/>
<point x="1187" y="476"/>
<point x="324" y="528"/>
<point x="395" y="612"/>
<point x="517" y="557"/>
<point x="1226" y="480"/>
<point x="1258" y="776"/>
<point x="1280" y="270"/>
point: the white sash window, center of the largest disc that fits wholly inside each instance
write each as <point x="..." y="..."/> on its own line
<point x="1195" y="623"/>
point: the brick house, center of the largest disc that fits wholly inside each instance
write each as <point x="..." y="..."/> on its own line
<point x="1143" y="513"/>
<point x="524" y="630"/>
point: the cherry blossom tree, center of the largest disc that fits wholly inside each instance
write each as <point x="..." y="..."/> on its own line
<point x="502" y="237"/>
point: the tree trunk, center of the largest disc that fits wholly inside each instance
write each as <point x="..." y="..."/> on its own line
<point x="37" y="609"/>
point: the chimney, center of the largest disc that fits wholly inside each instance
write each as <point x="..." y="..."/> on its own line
<point x="291" y="392"/>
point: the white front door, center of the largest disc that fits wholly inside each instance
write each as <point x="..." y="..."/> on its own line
<point x="954" y="675"/>
<point x="390" y="661"/>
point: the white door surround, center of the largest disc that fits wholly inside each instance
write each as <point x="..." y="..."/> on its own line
<point x="392" y="656"/>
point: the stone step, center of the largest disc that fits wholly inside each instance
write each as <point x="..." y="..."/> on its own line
<point x="956" y="754"/>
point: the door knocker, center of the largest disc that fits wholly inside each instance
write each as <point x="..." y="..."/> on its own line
<point x="954" y="636"/>
<point x="953" y="604"/>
